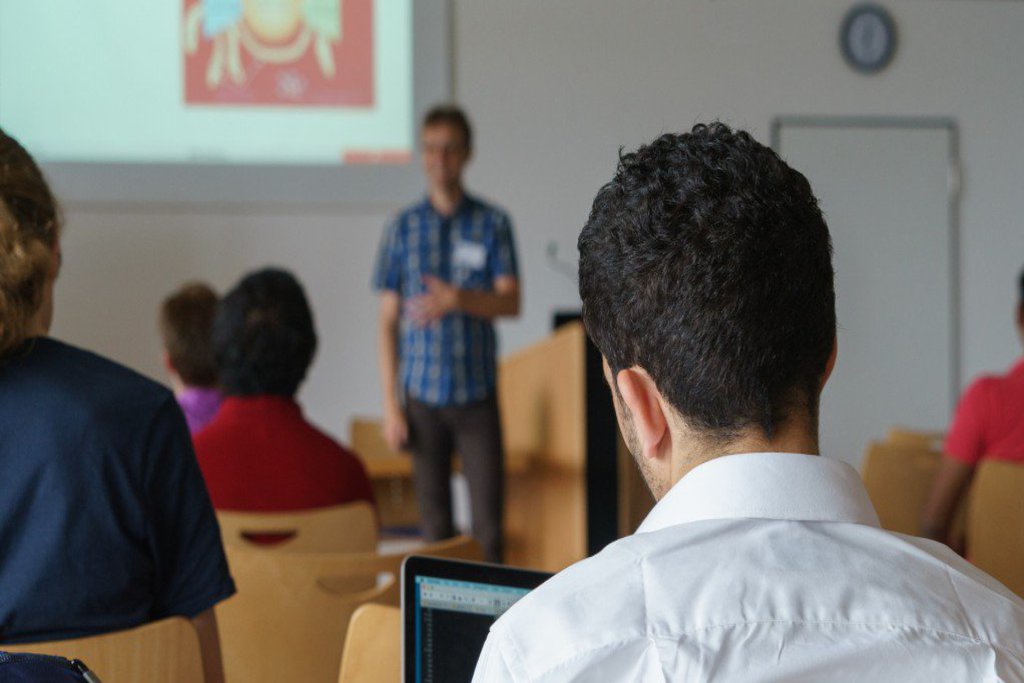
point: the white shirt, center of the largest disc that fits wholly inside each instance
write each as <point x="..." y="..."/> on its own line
<point x="763" y="567"/>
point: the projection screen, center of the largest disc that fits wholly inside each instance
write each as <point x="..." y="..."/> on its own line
<point x="223" y="101"/>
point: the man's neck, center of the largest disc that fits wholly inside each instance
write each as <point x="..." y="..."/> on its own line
<point x="794" y="436"/>
<point x="39" y="325"/>
<point x="177" y="385"/>
<point x="446" y="199"/>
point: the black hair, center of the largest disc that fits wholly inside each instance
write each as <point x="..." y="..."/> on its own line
<point x="707" y="262"/>
<point x="450" y="115"/>
<point x="263" y="335"/>
<point x="1021" y="287"/>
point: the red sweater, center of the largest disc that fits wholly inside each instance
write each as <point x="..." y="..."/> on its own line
<point x="259" y="454"/>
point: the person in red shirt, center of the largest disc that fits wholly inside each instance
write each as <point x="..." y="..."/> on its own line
<point x="259" y="453"/>
<point x="989" y="423"/>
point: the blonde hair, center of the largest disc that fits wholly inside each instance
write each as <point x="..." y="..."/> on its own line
<point x="29" y="227"/>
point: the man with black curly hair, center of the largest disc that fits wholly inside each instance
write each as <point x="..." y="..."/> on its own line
<point x="707" y="284"/>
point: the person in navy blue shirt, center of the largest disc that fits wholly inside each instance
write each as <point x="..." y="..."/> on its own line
<point x="446" y="269"/>
<point x="105" y="523"/>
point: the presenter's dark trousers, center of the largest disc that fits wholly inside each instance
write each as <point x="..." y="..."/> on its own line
<point x="472" y="430"/>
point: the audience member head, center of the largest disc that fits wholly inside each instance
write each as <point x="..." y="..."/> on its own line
<point x="707" y="284"/>
<point x="186" y="325"/>
<point x="29" y="247"/>
<point x="447" y="143"/>
<point x="263" y="335"/>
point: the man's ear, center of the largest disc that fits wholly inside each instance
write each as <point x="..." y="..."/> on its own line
<point x="641" y="396"/>
<point x="830" y="364"/>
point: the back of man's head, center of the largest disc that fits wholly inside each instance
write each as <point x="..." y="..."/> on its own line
<point x="186" y="325"/>
<point x="263" y="335"/>
<point x="706" y="262"/>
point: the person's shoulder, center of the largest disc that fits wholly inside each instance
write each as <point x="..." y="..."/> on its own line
<point x="993" y="612"/>
<point x="402" y="218"/>
<point x="591" y="604"/>
<point x="75" y="391"/>
<point x="95" y="378"/>
<point x="935" y="590"/>
<point x="212" y="436"/>
<point x="488" y="208"/>
<point x="319" y="444"/>
<point x="983" y="386"/>
<point x="330" y="445"/>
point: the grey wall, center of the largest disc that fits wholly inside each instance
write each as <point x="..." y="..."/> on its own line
<point x="554" y="89"/>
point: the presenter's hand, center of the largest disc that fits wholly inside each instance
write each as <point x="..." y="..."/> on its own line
<point x="439" y="300"/>
<point x="395" y="429"/>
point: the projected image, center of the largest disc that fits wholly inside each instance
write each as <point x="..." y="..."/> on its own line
<point x="279" y="52"/>
<point x="211" y="82"/>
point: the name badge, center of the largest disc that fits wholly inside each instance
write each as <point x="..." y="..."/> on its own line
<point x="471" y="255"/>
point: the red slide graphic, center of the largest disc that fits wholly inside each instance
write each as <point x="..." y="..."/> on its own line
<point x="278" y="52"/>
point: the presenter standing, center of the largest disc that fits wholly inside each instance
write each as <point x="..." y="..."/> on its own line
<point x="446" y="270"/>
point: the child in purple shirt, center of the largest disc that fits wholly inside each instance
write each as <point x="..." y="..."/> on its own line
<point x="186" y="320"/>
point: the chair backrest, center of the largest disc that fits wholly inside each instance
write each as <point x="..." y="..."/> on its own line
<point x="342" y="528"/>
<point x="388" y="567"/>
<point x="903" y="436"/>
<point x="289" y="618"/>
<point x="995" y="522"/>
<point x="898" y="480"/>
<point x="373" y="646"/>
<point x="367" y="440"/>
<point x="165" y="651"/>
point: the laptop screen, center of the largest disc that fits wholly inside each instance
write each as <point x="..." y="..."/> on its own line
<point x="452" y="621"/>
<point x="449" y="608"/>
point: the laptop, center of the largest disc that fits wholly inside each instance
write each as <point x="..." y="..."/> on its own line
<point x="448" y="607"/>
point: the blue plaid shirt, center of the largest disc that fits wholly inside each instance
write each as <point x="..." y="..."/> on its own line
<point x="453" y="360"/>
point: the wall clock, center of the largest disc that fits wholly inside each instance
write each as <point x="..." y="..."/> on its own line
<point x="868" y="38"/>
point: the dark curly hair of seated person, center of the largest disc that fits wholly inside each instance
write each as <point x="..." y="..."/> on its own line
<point x="707" y="262"/>
<point x="263" y="335"/>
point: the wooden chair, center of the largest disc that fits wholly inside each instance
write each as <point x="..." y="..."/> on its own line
<point x="898" y="479"/>
<point x="390" y="474"/>
<point x="343" y="528"/>
<point x="373" y="646"/>
<point x="365" y="435"/>
<point x="387" y="568"/>
<point x="903" y="436"/>
<point x="995" y="522"/>
<point x="165" y="651"/>
<point x="289" y="618"/>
